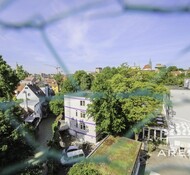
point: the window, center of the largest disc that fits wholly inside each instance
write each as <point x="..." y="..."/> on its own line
<point x="28" y="94"/>
<point x="76" y="124"/>
<point x="82" y="126"/>
<point x="76" y="113"/>
<point x="82" y="103"/>
<point x="82" y="115"/>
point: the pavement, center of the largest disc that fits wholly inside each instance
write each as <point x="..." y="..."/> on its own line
<point x="180" y="133"/>
<point x="45" y="133"/>
<point x="167" y="165"/>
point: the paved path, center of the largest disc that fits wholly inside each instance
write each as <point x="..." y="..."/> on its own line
<point x="45" y="131"/>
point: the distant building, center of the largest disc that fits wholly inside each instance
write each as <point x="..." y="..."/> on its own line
<point x="29" y="80"/>
<point x="187" y="83"/>
<point x="159" y="66"/>
<point x="147" y="67"/>
<point x="80" y="125"/>
<point x="98" y="69"/>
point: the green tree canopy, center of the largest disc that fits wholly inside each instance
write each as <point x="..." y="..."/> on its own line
<point x="59" y="79"/>
<point x="84" y="169"/>
<point x="83" y="80"/>
<point x="78" y="76"/>
<point x="21" y="73"/>
<point x="13" y="146"/>
<point x="124" y="97"/>
<point x="57" y="105"/>
<point x="8" y="80"/>
<point x="107" y="113"/>
<point x="69" y="85"/>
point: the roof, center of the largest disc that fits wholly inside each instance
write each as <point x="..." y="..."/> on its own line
<point x="20" y="87"/>
<point x="31" y="117"/>
<point x="117" y="155"/>
<point x="37" y="91"/>
<point x="160" y="66"/>
<point x="147" y="67"/>
<point x="75" y="153"/>
<point x="84" y="94"/>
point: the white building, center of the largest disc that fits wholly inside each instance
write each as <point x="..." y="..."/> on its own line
<point x="187" y="83"/>
<point x="33" y="99"/>
<point x="80" y="125"/>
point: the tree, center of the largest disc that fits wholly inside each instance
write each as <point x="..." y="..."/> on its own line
<point x="8" y="80"/>
<point x="59" y="79"/>
<point x="172" y="68"/>
<point x="84" y="169"/>
<point x="14" y="147"/>
<point x="69" y="85"/>
<point x="57" y="105"/>
<point x="21" y="73"/>
<point x="107" y="112"/>
<point x="86" y="82"/>
<point x="78" y="76"/>
<point x="124" y="97"/>
<point x="101" y="81"/>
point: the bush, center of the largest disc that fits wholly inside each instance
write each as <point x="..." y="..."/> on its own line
<point x="84" y="169"/>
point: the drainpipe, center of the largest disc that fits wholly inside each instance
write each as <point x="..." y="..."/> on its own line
<point x="47" y="91"/>
<point x="25" y="102"/>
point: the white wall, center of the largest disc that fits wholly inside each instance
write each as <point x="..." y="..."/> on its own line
<point x="73" y="106"/>
<point x="29" y="92"/>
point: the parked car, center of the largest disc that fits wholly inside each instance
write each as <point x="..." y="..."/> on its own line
<point x="70" y="149"/>
<point x="72" y="157"/>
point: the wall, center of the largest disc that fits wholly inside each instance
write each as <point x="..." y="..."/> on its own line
<point x="73" y="112"/>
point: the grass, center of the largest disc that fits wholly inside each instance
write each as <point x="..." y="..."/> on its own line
<point x="116" y="155"/>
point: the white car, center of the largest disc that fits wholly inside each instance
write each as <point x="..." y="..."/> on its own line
<point x="70" y="149"/>
<point x="72" y="157"/>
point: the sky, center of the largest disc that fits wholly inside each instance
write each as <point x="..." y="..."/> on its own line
<point x="85" y="34"/>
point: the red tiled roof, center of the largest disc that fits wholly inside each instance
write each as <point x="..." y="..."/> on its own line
<point x="147" y="66"/>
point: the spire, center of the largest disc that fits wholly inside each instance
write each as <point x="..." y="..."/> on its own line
<point x="150" y="63"/>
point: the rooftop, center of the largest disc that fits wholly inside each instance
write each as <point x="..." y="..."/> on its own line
<point x="37" y="91"/>
<point x="85" y="94"/>
<point x="117" y="155"/>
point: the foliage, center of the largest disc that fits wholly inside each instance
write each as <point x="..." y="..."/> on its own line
<point x="78" y="75"/>
<point x="13" y="138"/>
<point x="56" y="123"/>
<point x="123" y="97"/>
<point x="69" y="85"/>
<point x="59" y="79"/>
<point x="84" y="169"/>
<point x="32" y="170"/>
<point x="8" y="80"/>
<point x="101" y="81"/>
<point x="83" y="80"/>
<point x="21" y="73"/>
<point x="57" y="105"/>
<point x="86" y="82"/>
<point x="107" y="113"/>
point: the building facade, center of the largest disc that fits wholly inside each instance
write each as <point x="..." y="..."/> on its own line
<point x="80" y="124"/>
<point x="33" y="102"/>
